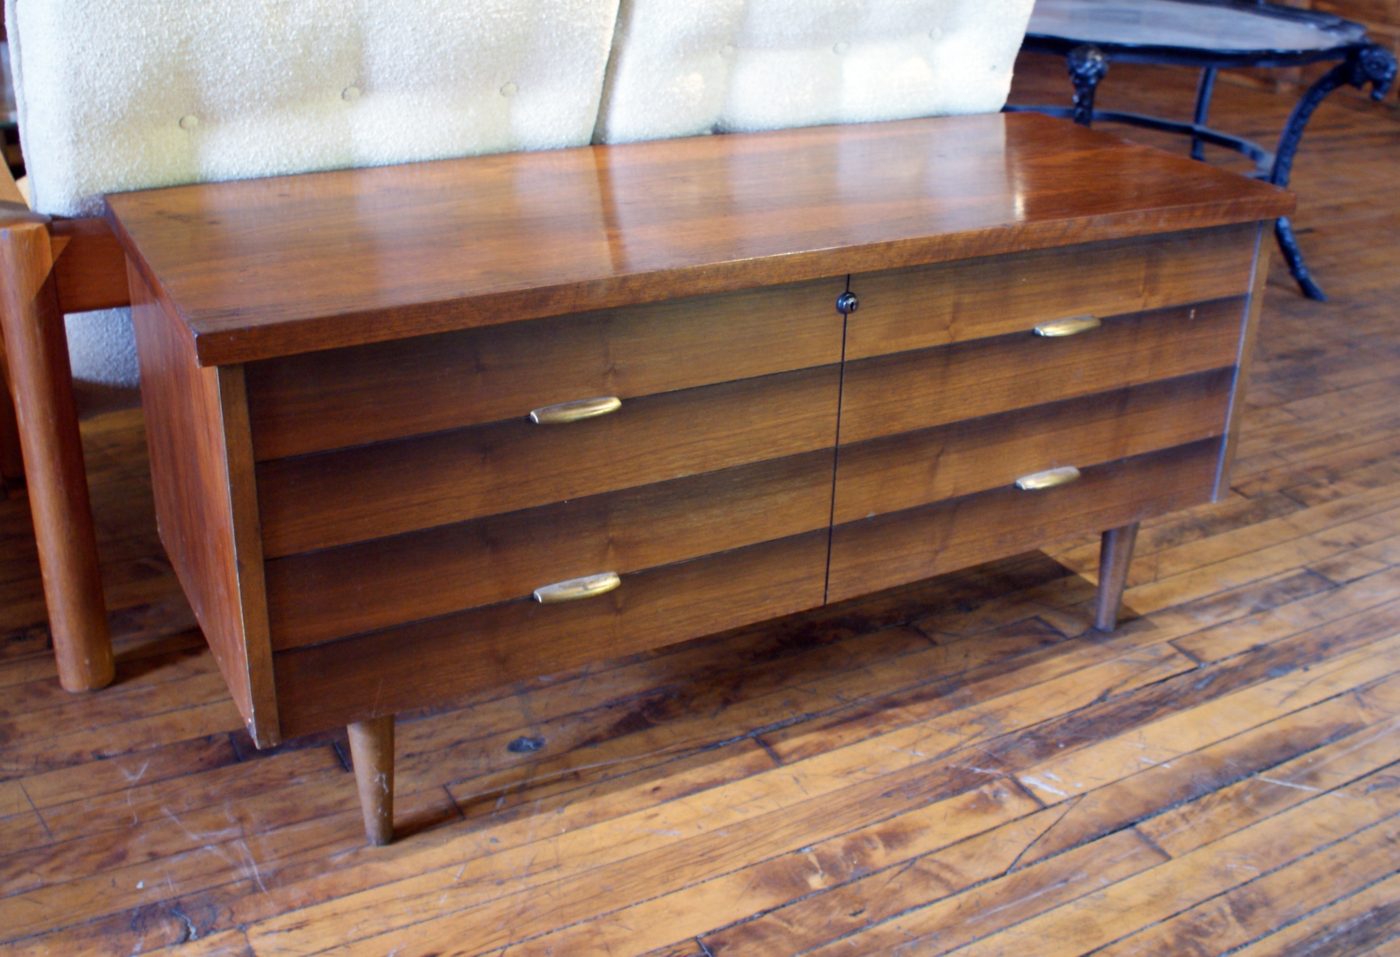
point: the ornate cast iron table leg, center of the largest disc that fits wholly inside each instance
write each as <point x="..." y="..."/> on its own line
<point x="1204" y="90"/>
<point x="1087" y="66"/>
<point x="1369" y="64"/>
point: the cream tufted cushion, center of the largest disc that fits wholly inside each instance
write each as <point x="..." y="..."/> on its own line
<point x="681" y="68"/>
<point x="125" y="94"/>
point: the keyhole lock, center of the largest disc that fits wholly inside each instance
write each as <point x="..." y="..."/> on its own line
<point x="847" y="303"/>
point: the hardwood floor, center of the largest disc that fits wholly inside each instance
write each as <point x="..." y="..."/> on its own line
<point x="963" y="764"/>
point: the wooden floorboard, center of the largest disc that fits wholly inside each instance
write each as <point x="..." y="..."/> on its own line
<point x="958" y="766"/>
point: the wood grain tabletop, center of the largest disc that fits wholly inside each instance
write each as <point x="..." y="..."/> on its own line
<point x="270" y="267"/>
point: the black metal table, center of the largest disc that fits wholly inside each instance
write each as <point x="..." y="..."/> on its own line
<point x="1210" y="35"/>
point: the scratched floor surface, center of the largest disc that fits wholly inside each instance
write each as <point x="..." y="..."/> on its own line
<point x="957" y="765"/>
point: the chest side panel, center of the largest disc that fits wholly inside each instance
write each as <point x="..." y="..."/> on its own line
<point x="206" y="506"/>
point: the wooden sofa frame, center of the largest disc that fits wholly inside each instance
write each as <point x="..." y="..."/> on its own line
<point x="50" y="267"/>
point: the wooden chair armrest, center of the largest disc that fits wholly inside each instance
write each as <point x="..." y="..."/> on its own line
<point x="89" y="265"/>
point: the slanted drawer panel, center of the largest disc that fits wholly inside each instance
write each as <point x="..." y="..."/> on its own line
<point x="328" y="685"/>
<point x="903" y="471"/>
<point x="334" y="498"/>
<point x="906" y="546"/>
<point x="342" y="397"/>
<point x="335" y="592"/>
<point x="913" y="390"/>
<point x="975" y="298"/>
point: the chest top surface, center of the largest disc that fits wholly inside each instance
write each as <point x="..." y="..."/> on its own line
<point x="264" y="268"/>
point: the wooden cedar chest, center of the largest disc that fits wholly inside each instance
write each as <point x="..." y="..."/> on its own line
<point x="424" y="429"/>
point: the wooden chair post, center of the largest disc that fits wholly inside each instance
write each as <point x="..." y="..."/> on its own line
<point x="11" y="461"/>
<point x="42" y="383"/>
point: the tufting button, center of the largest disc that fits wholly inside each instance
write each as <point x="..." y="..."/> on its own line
<point x="841" y="47"/>
<point x="936" y="33"/>
<point x="189" y="122"/>
<point x="510" y="89"/>
<point x="350" y="94"/>
<point x="727" y="50"/>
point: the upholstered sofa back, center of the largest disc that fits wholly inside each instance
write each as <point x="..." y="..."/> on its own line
<point x="124" y="94"/>
<point x="116" y="95"/>
<point x="681" y="68"/>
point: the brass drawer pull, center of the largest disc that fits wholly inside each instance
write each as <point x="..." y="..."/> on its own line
<point x="576" y="588"/>
<point x="1072" y="326"/>
<point x="1048" y="479"/>
<point x="575" y="411"/>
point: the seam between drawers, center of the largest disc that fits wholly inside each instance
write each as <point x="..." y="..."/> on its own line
<point x="836" y="451"/>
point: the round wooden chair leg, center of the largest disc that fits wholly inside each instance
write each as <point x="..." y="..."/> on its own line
<point x="42" y="381"/>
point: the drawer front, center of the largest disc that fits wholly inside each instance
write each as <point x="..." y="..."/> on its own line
<point x="334" y="498"/>
<point x="437" y="661"/>
<point x="886" y="395"/>
<point x="973" y="299"/>
<point x="907" y="546"/>
<point x="334" y="592"/>
<point x="912" y="469"/>
<point x="344" y="397"/>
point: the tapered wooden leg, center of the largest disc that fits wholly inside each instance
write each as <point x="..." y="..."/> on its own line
<point x="372" y="751"/>
<point x="11" y="464"/>
<point x="42" y="382"/>
<point x="1115" y="554"/>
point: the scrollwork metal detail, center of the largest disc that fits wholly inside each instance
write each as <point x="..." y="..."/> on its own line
<point x="1087" y="65"/>
<point x="1370" y="64"/>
